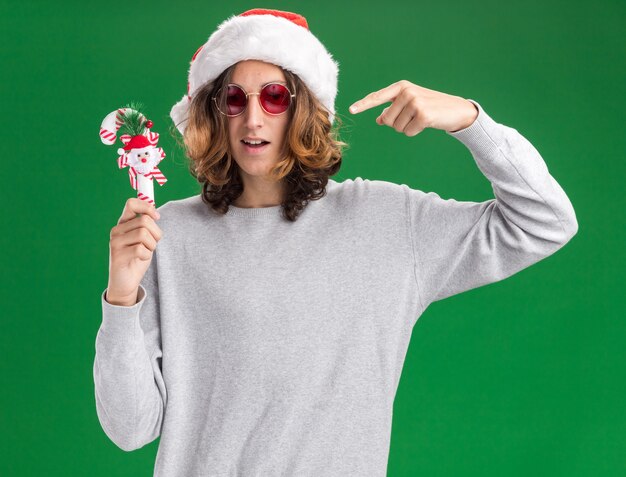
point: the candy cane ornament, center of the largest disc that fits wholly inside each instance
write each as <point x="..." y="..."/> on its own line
<point x="140" y="152"/>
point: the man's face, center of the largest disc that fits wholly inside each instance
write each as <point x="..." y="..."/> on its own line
<point x="254" y="122"/>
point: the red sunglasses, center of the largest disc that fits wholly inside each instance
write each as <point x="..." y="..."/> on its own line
<point x="275" y="99"/>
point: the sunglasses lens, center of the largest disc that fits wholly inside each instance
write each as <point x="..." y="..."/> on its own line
<point x="275" y="98"/>
<point x="235" y="100"/>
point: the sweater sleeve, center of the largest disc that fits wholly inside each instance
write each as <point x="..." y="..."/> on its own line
<point x="129" y="387"/>
<point x="459" y="246"/>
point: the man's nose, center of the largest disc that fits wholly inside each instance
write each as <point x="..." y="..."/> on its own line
<point x="254" y="112"/>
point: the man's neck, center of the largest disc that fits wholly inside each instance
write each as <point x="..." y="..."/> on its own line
<point x="256" y="199"/>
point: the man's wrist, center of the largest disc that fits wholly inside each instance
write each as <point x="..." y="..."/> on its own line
<point x="121" y="301"/>
<point x="474" y="111"/>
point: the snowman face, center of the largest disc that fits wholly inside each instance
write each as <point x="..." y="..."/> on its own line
<point x="143" y="159"/>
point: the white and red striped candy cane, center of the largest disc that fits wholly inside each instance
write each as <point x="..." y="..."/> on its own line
<point x="140" y="182"/>
<point x="112" y="123"/>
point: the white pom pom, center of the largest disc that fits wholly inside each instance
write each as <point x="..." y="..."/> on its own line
<point x="121" y="151"/>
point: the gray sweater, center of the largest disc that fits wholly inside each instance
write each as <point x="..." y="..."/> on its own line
<point x="262" y="347"/>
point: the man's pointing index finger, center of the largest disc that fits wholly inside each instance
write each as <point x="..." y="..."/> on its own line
<point x="376" y="98"/>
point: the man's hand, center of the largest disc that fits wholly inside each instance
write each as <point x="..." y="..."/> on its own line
<point x="415" y="108"/>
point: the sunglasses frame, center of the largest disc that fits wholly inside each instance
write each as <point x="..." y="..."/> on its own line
<point x="291" y="95"/>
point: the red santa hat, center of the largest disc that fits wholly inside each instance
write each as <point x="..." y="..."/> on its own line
<point x="274" y="36"/>
<point x="137" y="142"/>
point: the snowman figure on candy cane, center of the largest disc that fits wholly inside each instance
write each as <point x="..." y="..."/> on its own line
<point x="140" y="152"/>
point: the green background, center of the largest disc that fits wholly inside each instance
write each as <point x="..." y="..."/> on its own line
<point x="520" y="377"/>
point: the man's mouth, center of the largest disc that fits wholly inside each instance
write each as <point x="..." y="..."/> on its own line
<point x="254" y="144"/>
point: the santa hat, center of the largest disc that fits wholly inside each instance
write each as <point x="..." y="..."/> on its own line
<point x="137" y="142"/>
<point x="274" y="36"/>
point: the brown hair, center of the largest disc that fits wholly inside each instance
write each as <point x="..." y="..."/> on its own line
<point x="311" y="152"/>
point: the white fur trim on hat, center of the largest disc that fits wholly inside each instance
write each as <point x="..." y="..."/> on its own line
<point x="267" y="38"/>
